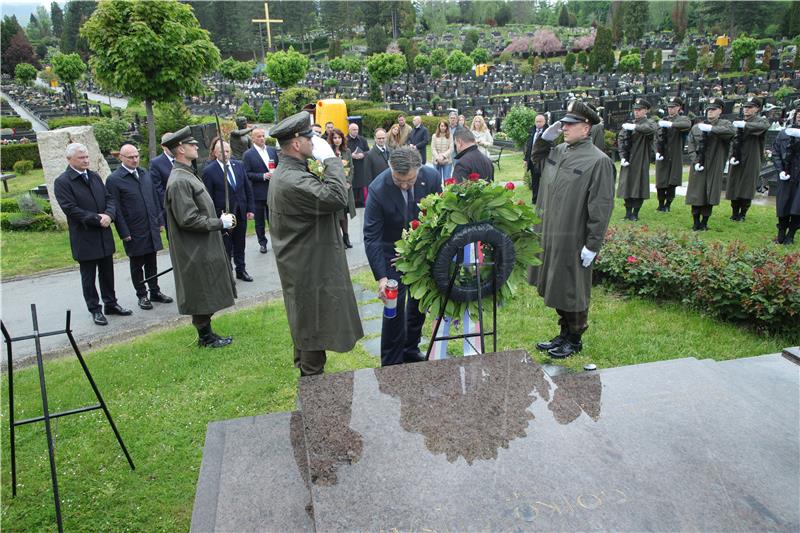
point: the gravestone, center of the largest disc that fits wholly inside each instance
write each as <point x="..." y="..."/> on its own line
<point x="52" y="146"/>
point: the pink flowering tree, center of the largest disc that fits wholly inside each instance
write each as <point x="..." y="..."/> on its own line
<point x="520" y="45"/>
<point x="545" y="42"/>
<point x="584" y="42"/>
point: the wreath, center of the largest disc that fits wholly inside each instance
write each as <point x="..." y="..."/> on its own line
<point x="477" y="203"/>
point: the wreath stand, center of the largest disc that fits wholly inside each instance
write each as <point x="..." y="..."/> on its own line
<point x="36" y="336"/>
<point x="472" y="235"/>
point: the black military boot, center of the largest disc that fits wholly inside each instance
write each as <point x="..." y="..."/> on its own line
<point x="704" y="223"/>
<point x="697" y="226"/>
<point x="628" y="211"/>
<point x="743" y="212"/>
<point x="781" y="234"/>
<point x="790" y="236"/>
<point x="208" y="339"/>
<point x="554" y="342"/>
<point x="572" y="344"/>
<point x="734" y="210"/>
<point x="635" y="214"/>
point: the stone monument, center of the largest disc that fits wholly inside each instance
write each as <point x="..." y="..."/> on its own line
<point x="53" y="144"/>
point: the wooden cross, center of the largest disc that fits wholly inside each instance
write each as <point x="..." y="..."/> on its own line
<point x="267" y="20"/>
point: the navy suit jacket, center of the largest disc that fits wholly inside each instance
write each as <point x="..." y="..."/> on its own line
<point x="255" y="168"/>
<point x="384" y="216"/>
<point x="241" y="198"/>
<point x="160" y="169"/>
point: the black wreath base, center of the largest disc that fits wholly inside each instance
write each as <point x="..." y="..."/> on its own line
<point x="504" y="259"/>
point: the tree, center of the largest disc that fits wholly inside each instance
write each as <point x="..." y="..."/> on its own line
<point x="57" y="19"/>
<point x="154" y="51"/>
<point x="584" y="42"/>
<point x="583" y="59"/>
<point x="458" y="63"/>
<point x="409" y="49"/>
<point x="791" y="21"/>
<point x="19" y="51"/>
<point x="423" y="62"/>
<point x="69" y="68"/>
<point x="563" y="17"/>
<point x="377" y="40"/>
<point x="742" y="49"/>
<point x="719" y="58"/>
<point x="433" y="17"/>
<point x="337" y="64"/>
<point x="480" y="55"/>
<point x="470" y="41"/>
<point x="438" y="56"/>
<point x="76" y="14"/>
<point x="334" y="48"/>
<point x="569" y="62"/>
<point x="233" y="70"/>
<point x="617" y="13"/>
<point x="680" y="18"/>
<point x="691" y="58"/>
<point x="25" y="73"/>
<point x="647" y="63"/>
<point x="246" y="111"/>
<point x="518" y="124"/>
<point x="383" y="68"/>
<point x="659" y="59"/>
<point x="635" y="20"/>
<point x="602" y="55"/>
<point x="266" y="114"/>
<point x="545" y="42"/>
<point x="630" y="63"/>
<point x="285" y="69"/>
<point x="504" y="15"/>
<point x="292" y="100"/>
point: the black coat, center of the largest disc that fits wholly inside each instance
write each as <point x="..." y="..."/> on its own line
<point x="534" y="166"/>
<point x="240" y="198"/>
<point x="376" y="162"/>
<point x="420" y="137"/>
<point x="472" y="160"/>
<point x="160" y="167"/>
<point x="82" y="204"/>
<point x="359" y="144"/>
<point x="139" y="214"/>
<point x="255" y="168"/>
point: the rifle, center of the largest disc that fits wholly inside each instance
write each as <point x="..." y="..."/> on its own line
<point x="224" y="171"/>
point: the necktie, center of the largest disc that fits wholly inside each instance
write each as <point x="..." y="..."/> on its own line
<point x="409" y="205"/>
<point x="85" y="176"/>
<point x="135" y="174"/>
<point x="231" y="177"/>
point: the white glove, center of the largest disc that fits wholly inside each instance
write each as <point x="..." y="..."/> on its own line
<point x="704" y="127"/>
<point x="629" y="126"/>
<point x="784" y="176"/>
<point x="792" y="132"/>
<point x="664" y="124"/>
<point x="587" y="256"/>
<point x="227" y="220"/>
<point x="624" y="162"/>
<point x="552" y="132"/>
<point x="659" y="157"/>
<point x="738" y="124"/>
<point x="733" y="161"/>
<point x="321" y="150"/>
<point x="698" y="167"/>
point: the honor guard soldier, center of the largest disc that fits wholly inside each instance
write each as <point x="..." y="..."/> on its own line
<point x="786" y="156"/>
<point x="634" y="174"/>
<point x="669" y="152"/>
<point x="745" y="162"/>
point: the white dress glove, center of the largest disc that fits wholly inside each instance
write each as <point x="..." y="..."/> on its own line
<point x="698" y="167"/>
<point x="587" y="256"/>
<point x="664" y="124"/>
<point x="227" y="220"/>
<point x="659" y="157"/>
<point x="784" y="176"/>
<point x="792" y="132"/>
<point x="321" y="150"/>
<point x="552" y="132"/>
<point x="733" y="161"/>
<point x="705" y="127"/>
<point x="738" y="124"/>
<point x="624" y="162"/>
<point x="629" y="126"/>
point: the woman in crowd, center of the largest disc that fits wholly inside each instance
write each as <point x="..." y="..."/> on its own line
<point x="462" y="121"/>
<point x="338" y="142"/>
<point x="483" y="137"/>
<point x="393" y="137"/>
<point x="442" y="150"/>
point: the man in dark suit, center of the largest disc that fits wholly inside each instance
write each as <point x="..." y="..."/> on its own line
<point x="392" y="204"/>
<point x="139" y="222"/>
<point x="469" y="160"/>
<point x="259" y="162"/>
<point x="419" y="138"/>
<point x="377" y="159"/>
<point x="531" y="165"/>
<point x="90" y="210"/>
<point x="359" y="147"/>
<point x="240" y="194"/>
<point x="160" y="167"/>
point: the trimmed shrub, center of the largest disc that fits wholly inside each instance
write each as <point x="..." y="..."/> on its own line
<point x="108" y="133"/>
<point x="9" y="205"/>
<point x="292" y="100"/>
<point x="23" y="167"/>
<point x="27" y="222"/>
<point x="11" y="153"/>
<point x="14" y="123"/>
<point x="355" y="107"/>
<point x="266" y="114"/>
<point x="726" y="281"/>
<point x="246" y="111"/>
<point x="378" y="118"/>
<point x="71" y="120"/>
<point x="518" y="124"/>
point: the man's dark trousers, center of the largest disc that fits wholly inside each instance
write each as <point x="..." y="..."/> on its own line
<point x="400" y="335"/>
<point x="149" y="264"/>
<point x="234" y="241"/>
<point x="104" y="268"/>
<point x="261" y="217"/>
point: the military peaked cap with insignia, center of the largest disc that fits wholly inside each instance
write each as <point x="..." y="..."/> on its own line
<point x="297" y="125"/>
<point x="675" y="100"/>
<point x="182" y="136"/>
<point x="752" y="101"/>
<point x="715" y="102"/>
<point x="578" y="111"/>
<point x="641" y="103"/>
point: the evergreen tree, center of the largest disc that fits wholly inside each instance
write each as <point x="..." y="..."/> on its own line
<point x="635" y="20"/>
<point x="602" y="54"/>
<point x="57" y="19"/>
<point x="8" y="29"/>
<point x="792" y="20"/>
<point x="569" y="62"/>
<point x="649" y="58"/>
<point x="719" y="58"/>
<point x="470" y="41"/>
<point x="617" y="14"/>
<point x="680" y="18"/>
<point x="377" y="40"/>
<point x="563" y="16"/>
<point x="691" y="58"/>
<point x="76" y="13"/>
<point x="266" y="115"/>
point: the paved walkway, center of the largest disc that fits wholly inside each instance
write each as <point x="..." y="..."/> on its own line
<point x="54" y="293"/>
<point x="36" y="124"/>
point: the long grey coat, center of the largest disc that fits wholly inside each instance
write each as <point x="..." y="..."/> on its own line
<point x="310" y="254"/>
<point x="704" y="187"/>
<point x="669" y="171"/>
<point x="742" y="178"/>
<point x="203" y="278"/>
<point x="576" y="200"/>
<point x="634" y="180"/>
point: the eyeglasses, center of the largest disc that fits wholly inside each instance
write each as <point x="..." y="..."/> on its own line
<point x="131" y="156"/>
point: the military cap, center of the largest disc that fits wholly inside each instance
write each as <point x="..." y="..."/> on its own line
<point x="297" y="125"/>
<point x="578" y="111"/>
<point x="796" y="104"/>
<point x="715" y="102"/>
<point x="182" y="136"/>
<point x="753" y="101"/>
<point x="641" y="103"/>
<point x="674" y="101"/>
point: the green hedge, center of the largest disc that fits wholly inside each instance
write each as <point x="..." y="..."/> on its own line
<point x="355" y="107"/>
<point x="14" y="122"/>
<point x="758" y="287"/>
<point x="27" y="222"/>
<point x="292" y="100"/>
<point x="9" y="205"/>
<point x="11" y="153"/>
<point x="384" y="118"/>
<point x="71" y="120"/>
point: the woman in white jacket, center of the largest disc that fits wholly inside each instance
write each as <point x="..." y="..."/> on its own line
<point x="442" y="150"/>
<point x="483" y="137"/>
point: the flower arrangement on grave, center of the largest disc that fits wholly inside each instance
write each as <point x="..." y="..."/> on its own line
<point x="472" y="201"/>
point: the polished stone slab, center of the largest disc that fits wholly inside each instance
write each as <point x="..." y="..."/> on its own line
<point x="490" y="443"/>
<point x="252" y="477"/>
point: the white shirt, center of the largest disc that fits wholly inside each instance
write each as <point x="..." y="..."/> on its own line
<point x="225" y="172"/>
<point x="131" y="170"/>
<point x="264" y="155"/>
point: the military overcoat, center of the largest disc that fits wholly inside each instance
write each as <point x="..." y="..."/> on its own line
<point x="203" y="277"/>
<point x="310" y="254"/>
<point x="705" y="186"/>
<point x="634" y="180"/>
<point x="669" y="171"/>
<point x="742" y="178"/>
<point x="786" y="156"/>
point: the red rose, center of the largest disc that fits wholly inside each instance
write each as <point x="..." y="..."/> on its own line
<point x="449" y="181"/>
<point x="510" y="186"/>
<point x="474" y="176"/>
<point x="414" y="224"/>
<point x="631" y="259"/>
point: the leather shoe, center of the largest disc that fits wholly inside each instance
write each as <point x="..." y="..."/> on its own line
<point x="566" y="349"/>
<point x="263" y="249"/>
<point x="116" y="309"/>
<point x="415" y="357"/>
<point x="243" y="275"/>
<point x="212" y="340"/>
<point x="99" y="318"/>
<point x="160" y="297"/>
<point x="553" y="343"/>
<point x="145" y="304"/>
